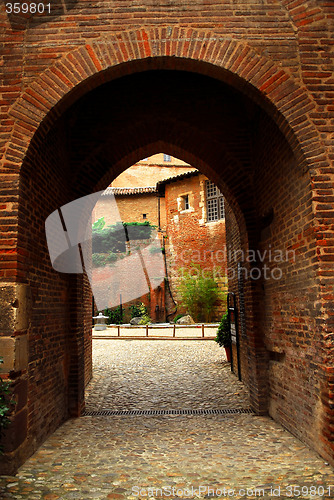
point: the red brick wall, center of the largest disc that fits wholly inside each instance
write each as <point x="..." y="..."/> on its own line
<point x="56" y="322"/>
<point x="289" y="312"/>
<point x="130" y="208"/>
<point x="283" y="328"/>
<point x="235" y="244"/>
<point x="271" y="62"/>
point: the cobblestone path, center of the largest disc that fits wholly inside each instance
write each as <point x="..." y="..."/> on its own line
<point x="173" y="456"/>
<point x="159" y="374"/>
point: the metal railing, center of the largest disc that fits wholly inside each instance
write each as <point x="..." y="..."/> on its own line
<point x="155" y="331"/>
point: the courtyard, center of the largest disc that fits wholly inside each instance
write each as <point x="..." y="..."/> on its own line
<point x="215" y="449"/>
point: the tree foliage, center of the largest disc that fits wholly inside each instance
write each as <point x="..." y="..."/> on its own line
<point x="140" y="311"/>
<point x="199" y="292"/>
<point x="115" y="315"/>
<point x="112" y="239"/>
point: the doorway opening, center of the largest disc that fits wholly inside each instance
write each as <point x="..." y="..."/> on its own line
<point x="232" y="140"/>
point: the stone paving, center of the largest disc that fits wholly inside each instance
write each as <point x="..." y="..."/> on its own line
<point x="187" y="456"/>
<point x="162" y="374"/>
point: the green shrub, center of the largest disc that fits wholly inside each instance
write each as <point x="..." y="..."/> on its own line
<point x="98" y="260"/>
<point x="138" y="230"/>
<point x="199" y="292"/>
<point x="116" y="315"/>
<point x="223" y="337"/>
<point x="108" y="239"/>
<point x="104" y="259"/>
<point x="109" y="242"/>
<point x="112" y="257"/>
<point x="98" y="225"/>
<point x="145" y="320"/>
<point x="112" y="238"/>
<point x="138" y="310"/>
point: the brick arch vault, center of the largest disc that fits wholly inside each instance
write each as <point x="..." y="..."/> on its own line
<point x="250" y="129"/>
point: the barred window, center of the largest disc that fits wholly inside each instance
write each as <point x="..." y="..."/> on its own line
<point x="167" y="157"/>
<point x="215" y="209"/>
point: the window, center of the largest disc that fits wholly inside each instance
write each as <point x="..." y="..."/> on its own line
<point x="167" y="157"/>
<point x="144" y="216"/>
<point x="183" y="202"/>
<point x="215" y="209"/>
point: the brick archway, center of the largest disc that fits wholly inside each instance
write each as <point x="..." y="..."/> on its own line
<point x="233" y="62"/>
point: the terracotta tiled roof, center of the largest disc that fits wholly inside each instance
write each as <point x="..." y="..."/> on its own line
<point x="161" y="184"/>
<point x="129" y="190"/>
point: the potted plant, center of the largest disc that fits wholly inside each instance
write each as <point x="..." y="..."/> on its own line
<point x="223" y="337"/>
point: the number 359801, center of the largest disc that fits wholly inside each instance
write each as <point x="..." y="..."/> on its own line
<point x="28" y="8"/>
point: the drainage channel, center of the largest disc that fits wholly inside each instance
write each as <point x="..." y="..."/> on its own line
<point x="136" y="413"/>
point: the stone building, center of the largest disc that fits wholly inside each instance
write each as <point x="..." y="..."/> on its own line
<point x="241" y="90"/>
<point x="188" y="213"/>
<point x="135" y="189"/>
<point x="134" y="204"/>
<point x="149" y="171"/>
<point x="195" y="231"/>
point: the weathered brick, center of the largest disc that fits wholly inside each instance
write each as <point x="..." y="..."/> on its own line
<point x="274" y="61"/>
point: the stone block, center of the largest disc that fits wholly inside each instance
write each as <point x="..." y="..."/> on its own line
<point x="23" y="307"/>
<point x="7" y="316"/>
<point x="15" y="305"/>
<point x="7" y="351"/>
<point x="21" y="353"/>
<point x="14" y="351"/>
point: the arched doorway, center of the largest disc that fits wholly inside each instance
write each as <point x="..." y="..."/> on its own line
<point x="214" y="120"/>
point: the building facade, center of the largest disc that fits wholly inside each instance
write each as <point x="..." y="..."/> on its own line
<point x="195" y="233"/>
<point x="188" y="213"/>
<point x="243" y="91"/>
